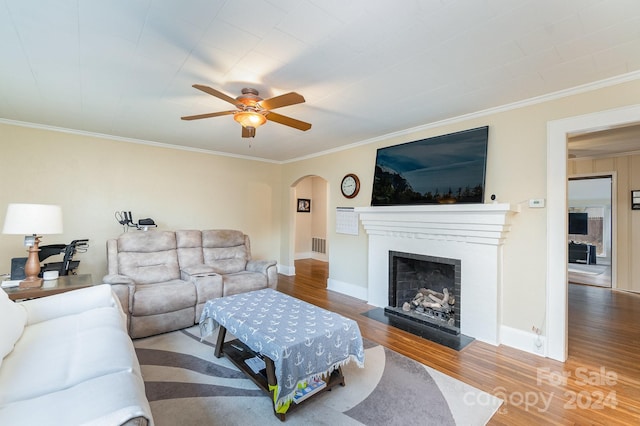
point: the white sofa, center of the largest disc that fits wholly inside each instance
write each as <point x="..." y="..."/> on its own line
<point x="67" y="359"/>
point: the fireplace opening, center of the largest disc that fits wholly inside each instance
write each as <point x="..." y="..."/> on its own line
<point x="425" y="289"/>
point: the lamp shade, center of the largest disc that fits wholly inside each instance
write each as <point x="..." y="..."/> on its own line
<point x="249" y="118"/>
<point x="33" y="219"/>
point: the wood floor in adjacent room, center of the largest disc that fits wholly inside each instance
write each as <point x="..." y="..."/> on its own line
<point x="599" y="384"/>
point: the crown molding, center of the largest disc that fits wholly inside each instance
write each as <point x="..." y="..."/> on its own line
<point x="589" y="87"/>
<point x="612" y="81"/>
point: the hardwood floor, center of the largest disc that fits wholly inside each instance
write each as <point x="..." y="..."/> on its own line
<point x="599" y="384"/>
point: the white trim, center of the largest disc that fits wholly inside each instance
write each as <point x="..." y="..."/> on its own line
<point x="635" y="75"/>
<point x="131" y="140"/>
<point x="557" y="132"/>
<point x="471" y="233"/>
<point x="612" y="81"/>
<point x="349" y="289"/>
<point x="286" y="270"/>
<point x="522" y="340"/>
<point x="303" y="255"/>
<point x="322" y="257"/>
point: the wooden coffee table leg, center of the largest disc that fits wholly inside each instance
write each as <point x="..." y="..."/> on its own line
<point x="338" y="373"/>
<point x="271" y="381"/>
<point x="221" y="334"/>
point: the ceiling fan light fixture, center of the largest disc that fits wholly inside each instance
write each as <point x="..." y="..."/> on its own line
<point x="249" y="119"/>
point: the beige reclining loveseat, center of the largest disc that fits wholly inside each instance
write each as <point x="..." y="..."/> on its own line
<point x="164" y="278"/>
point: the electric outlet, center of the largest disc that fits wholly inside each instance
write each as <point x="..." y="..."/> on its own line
<point x="538" y="345"/>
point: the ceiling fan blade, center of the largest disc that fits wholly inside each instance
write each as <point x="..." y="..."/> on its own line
<point x="208" y="115"/>
<point x="287" y="99"/>
<point x="288" y="121"/>
<point x="248" y="132"/>
<point x="217" y="94"/>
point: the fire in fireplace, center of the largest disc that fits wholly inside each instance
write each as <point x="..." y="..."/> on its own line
<point x="425" y="289"/>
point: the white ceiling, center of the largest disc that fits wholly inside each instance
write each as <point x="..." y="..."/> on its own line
<point x="366" y="67"/>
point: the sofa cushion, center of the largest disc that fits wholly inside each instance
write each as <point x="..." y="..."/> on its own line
<point x="226" y="260"/>
<point x="63" y="352"/>
<point x="147" y="242"/>
<point x="147" y="268"/>
<point x="158" y="298"/>
<point x="225" y="250"/>
<point x="13" y="317"/>
<point x="222" y="238"/>
<point x="148" y="257"/>
<point x="189" y="243"/>
<point x="121" y="398"/>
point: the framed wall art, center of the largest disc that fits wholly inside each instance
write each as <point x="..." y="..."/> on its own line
<point x="304" y="205"/>
<point x="635" y="200"/>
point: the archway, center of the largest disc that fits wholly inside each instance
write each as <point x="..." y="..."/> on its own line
<point x="309" y="204"/>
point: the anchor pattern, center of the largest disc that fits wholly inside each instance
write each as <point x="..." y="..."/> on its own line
<point x="303" y="340"/>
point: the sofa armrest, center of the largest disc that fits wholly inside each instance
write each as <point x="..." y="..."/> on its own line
<point x="266" y="267"/>
<point x="69" y="303"/>
<point x="260" y="265"/>
<point x="123" y="286"/>
<point x="117" y="279"/>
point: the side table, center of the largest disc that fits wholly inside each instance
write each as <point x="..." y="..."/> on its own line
<point x="59" y="285"/>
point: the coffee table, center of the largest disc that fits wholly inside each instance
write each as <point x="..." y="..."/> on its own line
<point x="297" y="341"/>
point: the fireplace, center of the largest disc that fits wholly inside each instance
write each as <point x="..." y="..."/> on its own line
<point x="425" y="289"/>
<point x="472" y="233"/>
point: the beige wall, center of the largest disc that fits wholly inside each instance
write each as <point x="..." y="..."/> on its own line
<point x="91" y="178"/>
<point x="516" y="172"/>
<point x="627" y="171"/>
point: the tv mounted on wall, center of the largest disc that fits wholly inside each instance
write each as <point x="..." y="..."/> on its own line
<point x="443" y="169"/>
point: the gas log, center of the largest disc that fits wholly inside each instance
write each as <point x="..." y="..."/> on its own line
<point x="427" y="298"/>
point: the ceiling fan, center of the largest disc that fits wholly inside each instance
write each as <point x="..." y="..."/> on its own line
<point x="252" y="111"/>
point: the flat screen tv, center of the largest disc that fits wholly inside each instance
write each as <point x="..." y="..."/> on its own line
<point x="443" y="169"/>
<point x="579" y="223"/>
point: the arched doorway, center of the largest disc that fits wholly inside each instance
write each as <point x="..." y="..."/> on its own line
<point x="310" y="198"/>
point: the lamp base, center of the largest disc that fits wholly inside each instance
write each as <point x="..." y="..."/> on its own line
<point x="32" y="266"/>
<point x="31" y="282"/>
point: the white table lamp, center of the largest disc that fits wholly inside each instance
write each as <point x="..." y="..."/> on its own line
<point x="32" y="220"/>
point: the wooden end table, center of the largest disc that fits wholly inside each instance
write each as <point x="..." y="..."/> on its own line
<point x="50" y="287"/>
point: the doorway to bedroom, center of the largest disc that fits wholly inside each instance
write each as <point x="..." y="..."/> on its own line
<point x="590" y="223"/>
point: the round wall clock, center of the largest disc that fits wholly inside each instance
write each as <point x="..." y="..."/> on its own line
<point x="350" y="185"/>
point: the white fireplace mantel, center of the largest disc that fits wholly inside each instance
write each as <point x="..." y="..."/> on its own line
<point x="473" y="223"/>
<point x="472" y="233"/>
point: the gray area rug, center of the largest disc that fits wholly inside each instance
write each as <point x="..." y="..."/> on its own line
<point x="187" y="385"/>
<point x="586" y="269"/>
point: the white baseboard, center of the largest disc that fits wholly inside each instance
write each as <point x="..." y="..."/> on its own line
<point x="311" y="255"/>
<point x="286" y="270"/>
<point x="319" y="256"/>
<point x="347" y="289"/>
<point x="303" y="255"/>
<point x="522" y="340"/>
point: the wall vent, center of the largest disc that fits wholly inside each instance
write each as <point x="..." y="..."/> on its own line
<point x="319" y="245"/>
